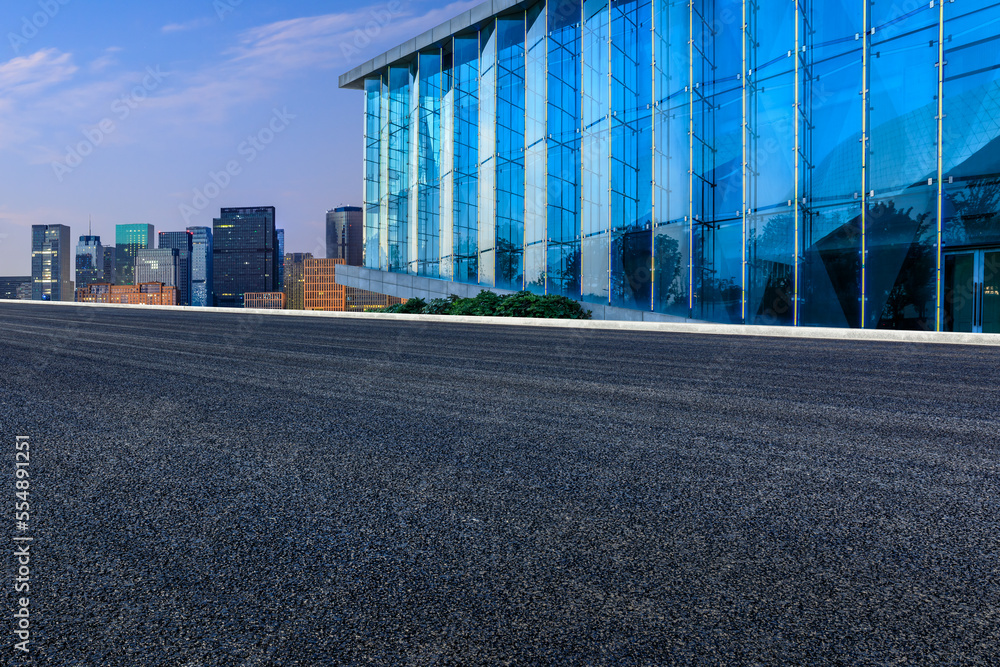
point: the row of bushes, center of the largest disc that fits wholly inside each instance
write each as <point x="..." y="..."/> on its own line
<point x="486" y="303"/>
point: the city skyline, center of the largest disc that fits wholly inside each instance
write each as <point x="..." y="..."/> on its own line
<point x="186" y="91"/>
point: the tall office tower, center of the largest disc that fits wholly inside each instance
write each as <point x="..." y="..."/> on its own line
<point x="281" y="260"/>
<point x="50" y="261"/>
<point x="158" y="266"/>
<point x="129" y="240"/>
<point x="244" y="255"/>
<point x="92" y="262"/>
<point x="201" y="266"/>
<point x="345" y="228"/>
<point x="183" y="243"/>
<point x="295" y="278"/>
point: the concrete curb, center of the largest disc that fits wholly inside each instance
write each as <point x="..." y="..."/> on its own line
<point x="818" y="333"/>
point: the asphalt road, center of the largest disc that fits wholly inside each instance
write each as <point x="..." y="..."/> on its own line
<point x="215" y="489"/>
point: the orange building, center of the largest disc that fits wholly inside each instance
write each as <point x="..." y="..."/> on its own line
<point x="323" y="293"/>
<point x="146" y="294"/>
<point x="267" y="300"/>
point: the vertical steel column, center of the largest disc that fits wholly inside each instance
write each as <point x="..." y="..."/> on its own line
<point x="864" y="161"/>
<point x="744" y="219"/>
<point x="796" y="213"/>
<point x="690" y="214"/>
<point x="938" y="323"/>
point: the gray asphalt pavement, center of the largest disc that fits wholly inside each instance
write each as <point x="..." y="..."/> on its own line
<point x="215" y="489"/>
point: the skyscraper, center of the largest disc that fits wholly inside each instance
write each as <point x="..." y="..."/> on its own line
<point x="281" y="260"/>
<point x="295" y="278"/>
<point x="345" y="235"/>
<point x="94" y="262"/>
<point x="129" y="240"/>
<point x="182" y="242"/>
<point x="245" y="254"/>
<point x="201" y="266"/>
<point x="50" y="260"/>
<point x="158" y="266"/>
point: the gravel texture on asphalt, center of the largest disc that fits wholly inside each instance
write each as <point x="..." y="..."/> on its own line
<point x="223" y="489"/>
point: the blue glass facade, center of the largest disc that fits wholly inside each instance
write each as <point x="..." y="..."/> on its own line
<point x="806" y="163"/>
<point x="202" y="293"/>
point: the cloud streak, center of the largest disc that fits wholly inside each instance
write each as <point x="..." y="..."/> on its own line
<point x="189" y="25"/>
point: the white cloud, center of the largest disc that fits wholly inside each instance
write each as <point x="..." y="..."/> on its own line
<point x="28" y="75"/>
<point x="189" y="25"/>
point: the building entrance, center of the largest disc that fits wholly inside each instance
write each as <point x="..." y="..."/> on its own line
<point x="972" y="291"/>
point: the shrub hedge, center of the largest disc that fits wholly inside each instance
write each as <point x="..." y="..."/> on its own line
<point x="486" y="303"/>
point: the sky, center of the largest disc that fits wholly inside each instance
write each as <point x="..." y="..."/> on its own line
<point x="163" y="113"/>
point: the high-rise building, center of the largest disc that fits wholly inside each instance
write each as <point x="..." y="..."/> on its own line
<point x="322" y="292"/>
<point x="183" y="243"/>
<point x="809" y="163"/>
<point x="345" y="228"/>
<point x="11" y="286"/>
<point x="129" y="240"/>
<point x="245" y="254"/>
<point x="50" y="263"/>
<point x="295" y="279"/>
<point x="158" y="266"/>
<point x="281" y="259"/>
<point x="94" y="262"/>
<point x="201" y="266"/>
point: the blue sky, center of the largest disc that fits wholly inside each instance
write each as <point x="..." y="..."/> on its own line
<point x="131" y="112"/>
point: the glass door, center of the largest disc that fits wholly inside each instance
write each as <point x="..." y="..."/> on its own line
<point x="989" y="299"/>
<point x="972" y="291"/>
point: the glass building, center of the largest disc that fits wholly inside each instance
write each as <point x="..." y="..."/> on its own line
<point x="202" y="293"/>
<point x="129" y="240"/>
<point x="809" y="163"/>
<point x="345" y="234"/>
<point x="158" y="266"/>
<point x="94" y="262"/>
<point x="295" y="278"/>
<point x="281" y="259"/>
<point x="51" y="255"/>
<point x="182" y="242"/>
<point x="244" y="254"/>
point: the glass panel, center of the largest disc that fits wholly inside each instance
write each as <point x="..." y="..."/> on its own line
<point x="398" y="163"/>
<point x="446" y="238"/>
<point x="830" y="278"/>
<point x="466" y="160"/>
<point x="901" y="226"/>
<point x="510" y="153"/>
<point x="631" y="154"/>
<point x="563" y="182"/>
<point x="534" y="157"/>
<point x="971" y="123"/>
<point x="487" y="154"/>
<point x="991" y="292"/>
<point x="594" y="211"/>
<point x="718" y="159"/>
<point x="672" y="94"/>
<point x="427" y="133"/>
<point x="959" y="271"/>
<point x="771" y="114"/>
<point x="373" y="171"/>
